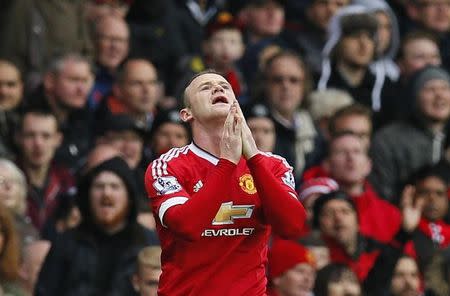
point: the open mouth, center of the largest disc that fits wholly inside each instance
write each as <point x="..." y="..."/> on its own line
<point x="220" y="99"/>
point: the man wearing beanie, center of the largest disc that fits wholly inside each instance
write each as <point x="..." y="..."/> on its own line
<point x="347" y="55"/>
<point x="403" y="147"/>
<point x="98" y="257"/>
<point x="291" y="269"/>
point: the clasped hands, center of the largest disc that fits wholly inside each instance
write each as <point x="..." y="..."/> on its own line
<point x="237" y="139"/>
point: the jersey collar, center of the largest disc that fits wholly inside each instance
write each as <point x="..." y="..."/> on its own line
<point x="203" y="154"/>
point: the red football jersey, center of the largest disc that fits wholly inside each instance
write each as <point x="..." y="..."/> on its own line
<point x="227" y="253"/>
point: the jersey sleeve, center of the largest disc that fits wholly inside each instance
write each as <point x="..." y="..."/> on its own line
<point x="185" y="215"/>
<point x="276" y="188"/>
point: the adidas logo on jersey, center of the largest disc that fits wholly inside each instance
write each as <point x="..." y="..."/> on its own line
<point x="198" y="186"/>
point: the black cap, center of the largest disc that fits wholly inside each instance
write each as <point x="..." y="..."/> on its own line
<point x="168" y="116"/>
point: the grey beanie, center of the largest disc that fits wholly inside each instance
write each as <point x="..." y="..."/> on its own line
<point x="426" y="74"/>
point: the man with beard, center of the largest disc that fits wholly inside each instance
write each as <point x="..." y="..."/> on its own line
<point x="98" y="256"/>
<point x="64" y="92"/>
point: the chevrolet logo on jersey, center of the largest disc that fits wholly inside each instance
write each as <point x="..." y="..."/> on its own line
<point x="228" y="212"/>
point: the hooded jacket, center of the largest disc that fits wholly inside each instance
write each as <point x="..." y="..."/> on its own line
<point x="384" y="65"/>
<point x="86" y="260"/>
<point x="335" y="34"/>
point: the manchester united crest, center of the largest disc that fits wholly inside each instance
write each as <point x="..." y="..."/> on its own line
<point x="246" y="183"/>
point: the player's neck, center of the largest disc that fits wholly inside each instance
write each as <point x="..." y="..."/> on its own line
<point x="208" y="139"/>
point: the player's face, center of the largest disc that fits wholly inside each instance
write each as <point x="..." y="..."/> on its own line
<point x="297" y="281"/>
<point x="209" y="97"/>
<point x="109" y="201"/>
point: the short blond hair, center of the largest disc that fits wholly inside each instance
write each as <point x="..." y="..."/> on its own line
<point x="150" y="257"/>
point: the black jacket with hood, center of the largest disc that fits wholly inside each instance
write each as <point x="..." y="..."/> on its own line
<point x="86" y="260"/>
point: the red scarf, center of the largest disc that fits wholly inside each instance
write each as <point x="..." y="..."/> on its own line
<point x="438" y="232"/>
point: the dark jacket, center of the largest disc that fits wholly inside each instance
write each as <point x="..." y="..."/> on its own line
<point x="87" y="261"/>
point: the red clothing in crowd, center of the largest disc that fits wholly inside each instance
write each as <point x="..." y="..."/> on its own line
<point x="42" y="202"/>
<point x="215" y="219"/>
<point x="378" y="218"/>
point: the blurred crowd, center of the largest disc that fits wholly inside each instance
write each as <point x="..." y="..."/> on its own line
<point x="355" y="94"/>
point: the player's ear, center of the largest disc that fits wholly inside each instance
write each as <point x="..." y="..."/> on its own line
<point x="186" y="114"/>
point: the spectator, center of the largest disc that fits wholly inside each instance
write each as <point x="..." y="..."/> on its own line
<point x="123" y="133"/>
<point x="39" y="30"/>
<point x="101" y="252"/>
<point x="388" y="39"/>
<point x="13" y="194"/>
<point x="403" y="147"/>
<point x="310" y="190"/>
<point x="348" y="53"/>
<point x="437" y="276"/>
<point x="418" y="49"/>
<point x="11" y="95"/>
<point x="262" y="126"/>
<point x="136" y="92"/>
<point x="33" y="257"/>
<point x="112" y="44"/>
<point x="355" y="119"/>
<point x="168" y="131"/>
<point x="336" y="280"/>
<point x="433" y="232"/>
<point x="291" y="269"/>
<point x="434" y="17"/>
<point x="64" y="92"/>
<point x="263" y="21"/>
<point x="372" y="261"/>
<point x="222" y="47"/>
<point x="311" y="36"/>
<point x="322" y="104"/>
<point x="9" y="255"/>
<point x="348" y="163"/>
<point x="146" y="278"/>
<point x="39" y="138"/>
<point x="406" y="278"/>
<point x="286" y="82"/>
